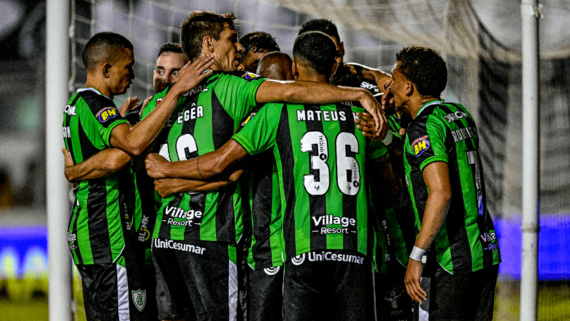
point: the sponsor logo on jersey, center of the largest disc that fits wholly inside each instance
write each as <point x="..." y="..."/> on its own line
<point x="320" y="115"/>
<point x="106" y="114"/>
<point x="370" y="87"/>
<point x="158" y="100"/>
<point x="180" y="217"/>
<point x="70" y="110"/>
<point x="272" y="270"/>
<point x="455" y="116"/>
<point x="327" y="256"/>
<point x="420" y="145"/>
<point x="171" y="244"/>
<point x="299" y="259"/>
<point x="191" y="113"/>
<point x="139" y="299"/>
<point x="196" y="90"/>
<point x="490" y="241"/>
<point x="250" y="75"/>
<point x="144" y="233"/>
<point x="247" y="119"/>
<point x="320" y="224"/>
<point x="464" y="133"/>
<point x="66" y="132"/>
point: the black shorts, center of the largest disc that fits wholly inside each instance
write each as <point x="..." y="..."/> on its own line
<point x="325" y="286"/>
<point x="265" y="294"/>
<point x="117" y="291"/>
<point x="469" y="296"/>
<point x="202" y="278"/>
<point x="392" y="301"/>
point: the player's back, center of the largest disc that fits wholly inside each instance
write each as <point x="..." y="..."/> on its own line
<point x="320" y="156"/>
<point x="205" y="119"/>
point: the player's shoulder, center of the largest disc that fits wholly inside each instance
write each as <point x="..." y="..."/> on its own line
<point x="235" y="75"/>
<point x="94" y="101"/>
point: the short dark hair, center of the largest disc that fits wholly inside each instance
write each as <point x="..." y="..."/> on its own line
<point x="322" y="25"/>
<point x="344" y="77"/>
<point x="317" y="49"/>
<point x="200" y="24"/>
<point x="258" y="40"/>
<point x="425" y="68"/>
<point x="103" y="45"/>
<point x="169" y="47"/>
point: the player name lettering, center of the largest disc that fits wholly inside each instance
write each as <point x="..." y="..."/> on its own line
<point x="192" y="113"/>
<point x="464" y="133"/>
<point x="196" y="90"/>
<point x="320" y="115"/>
<point x="170" y="244"/>
<point x="66" y="132"/>
<point x="70" y="110"/>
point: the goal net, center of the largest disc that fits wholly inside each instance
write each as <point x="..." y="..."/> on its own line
<point x="484" y="75"/>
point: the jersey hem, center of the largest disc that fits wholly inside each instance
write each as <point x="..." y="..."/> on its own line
<point x="107" y="137"/>
<point x="244" y="143"/>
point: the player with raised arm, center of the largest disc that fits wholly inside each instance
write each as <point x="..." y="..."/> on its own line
<point x="445" y="181"/>
<point x="256" y="45"/>
<point x="320" y="158"/>
<point x="199" y="232"/>
<point x="103" y="226"/>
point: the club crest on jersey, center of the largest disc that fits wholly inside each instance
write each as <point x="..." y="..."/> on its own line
<point x="139" y="299"/>
<point x="158" y="100"/>
<point x="250" y="75"/>
<point x="420" y="145"/>
<point x="106" y="114"/>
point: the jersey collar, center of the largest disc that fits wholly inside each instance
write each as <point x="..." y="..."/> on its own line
<point x="93" y="90"/>
<point x="433" y="102"/>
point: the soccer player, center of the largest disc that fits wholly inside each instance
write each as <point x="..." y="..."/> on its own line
<point x="329" y="28"/>
<point x="255" y="45"/>
<point x="106" y="216"/>
<point x="276" y="65"/>
<point x="169" y="61"/>
<point x="199" y="232"/>
<point x="445" y="181"/>
<point x="320" y="158"/>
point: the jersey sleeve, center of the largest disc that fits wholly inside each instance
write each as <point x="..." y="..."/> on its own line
<point x="237" y="94"/>
<point x="428" y="143"/>
<point x="261" y="131"/>
<point x="376" y="149"/>
<point x="153" y="102"/>
<point x="99" y="122"/>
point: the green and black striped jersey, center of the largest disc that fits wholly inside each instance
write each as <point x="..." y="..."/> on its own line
<point x="204" y="119"/>
<point x="320" y="158"/>
<point x="106" y="213"/>
<point x="446" y="132"/>
<point x="264" y="248"/>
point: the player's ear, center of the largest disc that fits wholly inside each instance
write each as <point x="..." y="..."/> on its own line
<point x="410" y="88"/>
<point x="295" y="68"/>
<point x="207" y="44"/>
<point x="107" y="70"/>
<point x="335" y="66"/>
<point x="342" y="49"/>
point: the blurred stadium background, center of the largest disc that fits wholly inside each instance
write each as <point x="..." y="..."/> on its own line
<point x="480" y="39"/>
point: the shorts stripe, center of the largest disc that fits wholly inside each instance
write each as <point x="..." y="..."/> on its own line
<point x="232" y="290"/>
<point x="123" y="294"/>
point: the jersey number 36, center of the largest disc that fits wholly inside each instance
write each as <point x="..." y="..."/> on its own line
<point x="317" y="182"/>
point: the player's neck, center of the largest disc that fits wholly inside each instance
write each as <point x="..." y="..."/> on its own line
<point x="312" y="77"/>
<point x="100" y="85"/>
<point x="417" y="102"/>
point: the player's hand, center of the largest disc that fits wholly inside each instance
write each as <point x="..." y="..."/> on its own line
<point x="145" y="102"/>
<point x="193" y="73"/>
<point x="154" y="168"/>
<point x="387" y="100"/>
<point x="412" y="281"/>
<point x="163" y="186"/>
<point x="365" y="123"/>
<point x="131" y="103"/>
<point x="375" y="109"/>
<point x="68" y="162"/>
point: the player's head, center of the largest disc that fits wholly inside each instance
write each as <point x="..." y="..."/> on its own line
<point x="314" y="55"/>
<point x="328" y="27"/>
<point x="256" y="45"/>
<point x="169" y="61"/>
<point x="108" y="56"/>
<point x="205" y="32"/>
<point x="276" y="65"/>
<point x="419" y="71"/>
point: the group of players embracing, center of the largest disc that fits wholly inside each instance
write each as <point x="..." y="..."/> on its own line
<point x="258" y="186"/>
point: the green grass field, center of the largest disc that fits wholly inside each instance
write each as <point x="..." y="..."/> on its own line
<point x="554" y="303"/>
